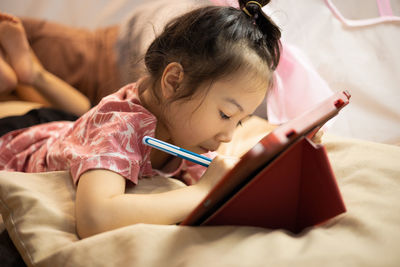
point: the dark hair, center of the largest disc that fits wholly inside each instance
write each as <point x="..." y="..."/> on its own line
<point x="209" y="43"/>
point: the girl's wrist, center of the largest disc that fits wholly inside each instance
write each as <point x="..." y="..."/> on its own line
<point x="203" y="186"/>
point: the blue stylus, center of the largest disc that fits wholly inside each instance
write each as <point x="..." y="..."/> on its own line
<point x="176" y="151"/>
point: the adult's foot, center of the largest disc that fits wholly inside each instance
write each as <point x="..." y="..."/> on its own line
<point x="16" y="63"/>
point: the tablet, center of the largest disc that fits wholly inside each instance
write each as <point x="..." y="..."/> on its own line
<point x="264" y="152"/>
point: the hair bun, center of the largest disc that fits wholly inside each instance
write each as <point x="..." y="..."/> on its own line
<point x="243" y="3"/>
<point x="271" y="32"/>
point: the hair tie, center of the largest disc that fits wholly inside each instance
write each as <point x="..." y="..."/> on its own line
<point x="250" y="2"/>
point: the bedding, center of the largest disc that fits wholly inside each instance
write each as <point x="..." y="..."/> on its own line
<point x="38" y="212"/>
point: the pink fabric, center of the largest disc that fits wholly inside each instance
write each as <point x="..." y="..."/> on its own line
<point x="385" y="11"/>
<point x="109" y="137"/>
<point x="298" y="87"/>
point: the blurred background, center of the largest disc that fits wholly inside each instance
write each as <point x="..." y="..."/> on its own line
<point x="363" y="58"/>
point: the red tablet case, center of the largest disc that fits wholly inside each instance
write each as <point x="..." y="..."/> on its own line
<point x="296" y="190"/>
<point x="285" y="181"/>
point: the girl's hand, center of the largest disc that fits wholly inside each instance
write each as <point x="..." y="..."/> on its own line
<point x="317" y="138"/>
<point x="217" y="169"/>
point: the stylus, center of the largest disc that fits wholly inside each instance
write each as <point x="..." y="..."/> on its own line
<point x="176" y="151"/>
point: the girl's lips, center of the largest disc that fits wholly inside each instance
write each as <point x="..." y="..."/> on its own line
<point x="208" y="150"/>
<point x="204" y="149"/>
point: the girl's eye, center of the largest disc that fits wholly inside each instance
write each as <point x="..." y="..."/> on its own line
<point x="224" y="116"/>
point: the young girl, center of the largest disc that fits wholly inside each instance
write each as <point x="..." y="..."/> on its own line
<point x="207" y="72"/>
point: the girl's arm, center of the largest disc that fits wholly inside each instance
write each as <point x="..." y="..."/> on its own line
<point x="102" y="205"/>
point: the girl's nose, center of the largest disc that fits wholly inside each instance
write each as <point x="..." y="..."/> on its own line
<point x="225" y="136"/>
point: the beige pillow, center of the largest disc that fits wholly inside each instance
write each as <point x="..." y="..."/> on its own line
<point x="38" y="209"/>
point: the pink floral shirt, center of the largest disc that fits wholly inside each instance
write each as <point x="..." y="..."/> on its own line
<point x="109" y="136"/>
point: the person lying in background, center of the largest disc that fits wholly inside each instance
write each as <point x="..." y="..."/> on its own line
<point x="96" y="63"/>
<point x="21" y="70"/>
<point x="45" y="97"/>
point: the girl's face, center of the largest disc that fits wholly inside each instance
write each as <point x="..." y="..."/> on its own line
<point x="202" y="123"/>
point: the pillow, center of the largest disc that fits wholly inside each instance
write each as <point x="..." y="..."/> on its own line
<point x="38" y="209"/>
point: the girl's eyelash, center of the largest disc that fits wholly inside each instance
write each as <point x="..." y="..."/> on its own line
<point x="224" y="116"/>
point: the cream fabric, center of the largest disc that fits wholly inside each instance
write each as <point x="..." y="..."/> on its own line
<point x="38" y="212"/>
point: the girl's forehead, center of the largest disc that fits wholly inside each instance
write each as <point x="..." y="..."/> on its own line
<point x="245" y="81"/>
<point x="242" y="88"/>
<point x="252" y="77"/>
<point x="253" y="74"/>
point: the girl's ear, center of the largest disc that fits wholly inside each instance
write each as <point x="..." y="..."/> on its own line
<point x="171" y="79"/>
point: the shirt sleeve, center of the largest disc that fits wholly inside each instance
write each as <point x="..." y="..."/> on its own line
<point x="111" y="141"/>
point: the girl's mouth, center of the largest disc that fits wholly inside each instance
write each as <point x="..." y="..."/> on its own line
<point x="205" y="150"/>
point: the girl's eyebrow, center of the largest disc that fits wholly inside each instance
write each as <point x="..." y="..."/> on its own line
<point x="233" y="101"/>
